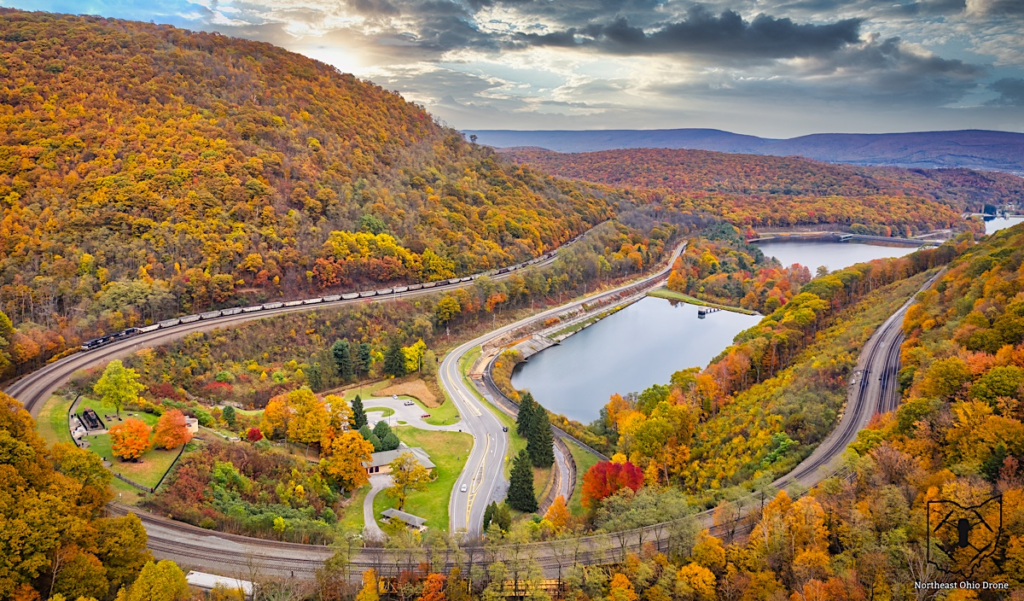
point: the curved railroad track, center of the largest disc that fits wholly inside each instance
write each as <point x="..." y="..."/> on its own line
<point x="244" y="557"/>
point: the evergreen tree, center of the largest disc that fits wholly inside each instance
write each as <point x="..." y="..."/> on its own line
<point x="540" y="444"/>
<point x="382" y="429"/>
<point x="394" y="360"/>
<point x="315" y="377"/>
<point x="229" y="416"/>
<point x="520" y="489"/>
<point x="503" y="517"/>
<point x="342" y="359"/>
<point x="370" y="437"/>
<point x="363" y="358"/>
<point x="489" y="513"/>
<point x="524" y="419"/>
<point x="358" y="415"/>
<point x="389" y="442"/>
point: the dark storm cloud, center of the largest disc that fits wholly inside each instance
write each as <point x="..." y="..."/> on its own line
<point x="1010" y="90"/>
<point x="728" y="34"/>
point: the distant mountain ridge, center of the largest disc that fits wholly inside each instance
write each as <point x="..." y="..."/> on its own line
<point x="974" y="149"/>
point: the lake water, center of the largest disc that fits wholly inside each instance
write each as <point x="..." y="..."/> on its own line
<point x="646" y="342"/>
<point x="833" y="255"/>
<point x="1001" y="223"/>
<point x="640" y="345"/>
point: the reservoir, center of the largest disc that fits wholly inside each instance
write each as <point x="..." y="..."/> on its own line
<point x="640" y="345"/>
<point x="995" y="224"/>
<point x="648" y="341"/>
<point x="833" y="255"/>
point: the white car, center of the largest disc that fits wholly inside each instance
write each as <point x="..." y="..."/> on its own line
<point x="464" y="488"/>
<point x="394" y="396"/>
<point x="409" y="403"/>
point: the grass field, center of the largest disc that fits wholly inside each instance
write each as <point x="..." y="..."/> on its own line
<point x="584" y="461"/>
<point x="686" y="298"/>
<point x="351" y="520"/>
<point x="448" y="451"/>
<point x="52" y="421"/>
<point x="384" y="411"/>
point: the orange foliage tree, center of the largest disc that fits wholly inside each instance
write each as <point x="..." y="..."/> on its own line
<point x="129" y="440"/>
<point x="171" y="430"/>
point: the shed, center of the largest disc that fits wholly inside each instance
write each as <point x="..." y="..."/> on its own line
<point x="408" y="519"/>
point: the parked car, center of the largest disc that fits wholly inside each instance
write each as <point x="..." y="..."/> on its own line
<point x="409" y="403"/>
<point x="425" y="415"/>
<point x="394" y="396"/>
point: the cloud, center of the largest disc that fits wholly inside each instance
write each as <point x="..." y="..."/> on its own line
<point x="1012" y="8"/>
<point x="702" y="33"/>
<point x="1010" y="90"/>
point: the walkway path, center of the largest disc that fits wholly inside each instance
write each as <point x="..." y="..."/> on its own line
<point x="371" y="531"/>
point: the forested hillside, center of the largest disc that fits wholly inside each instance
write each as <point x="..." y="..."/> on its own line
<point x="763" y="191"/>
<point x="147" y="171"/>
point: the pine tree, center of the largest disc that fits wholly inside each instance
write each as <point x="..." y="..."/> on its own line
<point x="315" y="377"/>
<point x="524" y="420"/>
<point x="394" y="360"/>
<point x="489" y="514"/>
<point x="503" y="517"/>
<point x="342" y="358"/>
<point x="358" y="415"/>
<point x="364" y="357"/>
<point x="540" y="444"/>
<point x="520" y="489"/>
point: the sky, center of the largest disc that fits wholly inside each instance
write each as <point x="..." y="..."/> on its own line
<point x="773" y="68"/>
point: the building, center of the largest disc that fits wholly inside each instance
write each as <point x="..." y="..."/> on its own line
<point x="208" y="582"/>
<point x="410" y="520"/>
<point x="192" y="424"/>
<point x="380" y="463"/>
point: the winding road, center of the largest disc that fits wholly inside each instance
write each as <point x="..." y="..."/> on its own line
<point x="245" y="557"/>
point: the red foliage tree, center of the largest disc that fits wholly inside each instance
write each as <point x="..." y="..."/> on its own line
<point x="254" y="435"/>
<point x="606" y="478"/>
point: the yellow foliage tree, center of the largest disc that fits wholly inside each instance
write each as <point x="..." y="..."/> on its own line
<point x="344" y="461"/>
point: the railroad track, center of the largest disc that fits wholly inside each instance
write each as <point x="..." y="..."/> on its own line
<point x="240" y="556"/>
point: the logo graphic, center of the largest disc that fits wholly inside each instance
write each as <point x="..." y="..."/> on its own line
<point x="961" y="537"/>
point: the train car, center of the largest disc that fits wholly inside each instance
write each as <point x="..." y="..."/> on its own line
<point x="399" y="289"/>
<point x="277" y="305"/>
<point x="384" y="291"/>
<point x="350" y="295"/>
<point x="453" y="281"/>
<point x="466" y="279"/>
<point x="151" y="328"/>
<point x="210" y="315"/>
<point x="366" y="293"/>
<point x="169" y="322"/>
<point x="416" y="287"/>
<point x="332" y="298"/>
<point x="503" y="270"/>
<point x="513" y="267"/>
<point x="429" y="284"/>
<point x="124" y="333"/>
<point x="232" y="311"/>
<point x="252" y="309"/>
<point x="313" y="301"/>
<point x="190" y="318"/>
<point x="294" y="303"/>
<point x="95" y="343"/>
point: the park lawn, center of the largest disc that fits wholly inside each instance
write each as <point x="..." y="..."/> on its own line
<point x="154" y="462"/>
<point x="363" y="391"/>
<point x="351" y="519"/>
<point x="385" y="411"/>
<point x="126" y="493"/>
<point x="439" y="416"/>
<point x="584" y="461"/>
<point x="53" y="420"/>
<point x="448" y="451"/>
<point x="152" y="466"/>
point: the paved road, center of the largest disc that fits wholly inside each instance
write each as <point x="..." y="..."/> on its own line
<point x="483" y="475"/>
<point x="371" y="530"/>
<point x="233" y="555"/>
<point x="410" y="414"/>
